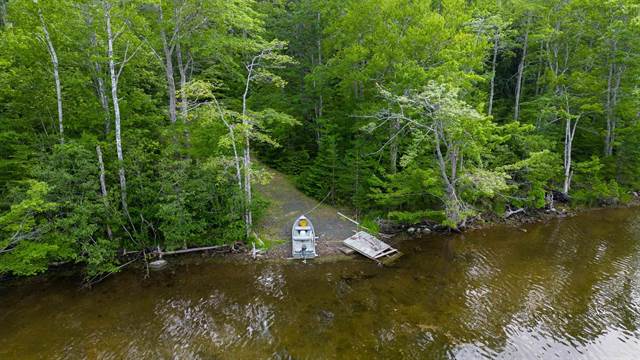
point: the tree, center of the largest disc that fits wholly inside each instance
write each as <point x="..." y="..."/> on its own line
<point x="185" y="19"/>
<point x="457" y="133"/>
<point x="258" y="68"/>
<point x="115" y="72"/>
<point x="56" y="73"/>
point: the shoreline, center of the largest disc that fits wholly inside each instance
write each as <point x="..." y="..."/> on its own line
<point x="243" y="256"/>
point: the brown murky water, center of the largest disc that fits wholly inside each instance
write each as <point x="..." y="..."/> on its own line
<point x="566" y="289"/>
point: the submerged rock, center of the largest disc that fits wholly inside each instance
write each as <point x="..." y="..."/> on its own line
<point x="325" y="317"/>
<point x="158" y="264"/>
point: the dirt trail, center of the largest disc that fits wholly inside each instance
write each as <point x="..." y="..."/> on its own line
<point x="287" y="203"/>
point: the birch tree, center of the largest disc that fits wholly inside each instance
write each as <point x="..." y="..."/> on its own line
<point x="56" y="72"/>
<point x="614" y="79"/>
<point x="103" y="186"/>
<point x="258" y="69"/>
<point x="571" y="124"/>
<point x="457" y="134"/>
<point x="496" y="30"/>
<point x="619" y="38"/>
<point x="97" y="69"/>
<point x="521" y="68"/>
<point x="115" y="70"/>
<point x="185" y="18"/>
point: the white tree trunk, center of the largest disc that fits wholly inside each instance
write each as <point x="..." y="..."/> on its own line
<point x="394" y="127"/>
<point x="247" y="184"/>
<point x="246" y="153"/>
<point x="452" y="205"/>
<point x="236" y="157"/>
<point x="616" y="92"/>
<point x="613" y="87"/>
<point x="103" y="186"/>
<point x="116" y="109"/>
<point x="496" y="43"/>
<point x="183" y="68"/>
<point x="609" y="110"/>
<point x="104" y="100"/>
<point x="98" y="80"/>
<point x="569" y="135"/>
<point x="56" y="74"/>
<point x="521" y="68"/>
<point x="167" y="50"/>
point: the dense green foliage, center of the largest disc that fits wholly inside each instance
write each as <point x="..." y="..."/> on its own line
<point x="445" y="109"/>
<point x="409" y="110"/>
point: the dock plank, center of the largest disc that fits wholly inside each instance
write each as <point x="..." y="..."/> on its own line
<point x="369" y="246"/>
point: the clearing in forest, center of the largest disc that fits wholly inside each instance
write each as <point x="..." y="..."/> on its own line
<point x="286" y="204"/>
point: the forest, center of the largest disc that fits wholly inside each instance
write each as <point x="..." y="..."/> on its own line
<point x="134" y="124"/>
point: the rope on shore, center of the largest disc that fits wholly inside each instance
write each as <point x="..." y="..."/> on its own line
<point x="317" y="205"/>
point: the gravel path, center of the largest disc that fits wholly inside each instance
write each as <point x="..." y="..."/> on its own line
<point x="286" y="204"/>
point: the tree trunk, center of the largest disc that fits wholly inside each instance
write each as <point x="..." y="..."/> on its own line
<point x="168" y="67"/>
<point x="103" y="186"/>
<point x="56" y="73"/>
<point x="609" y="110"/>
<point x="104" y="100"/>
<point x="521" y="68"/>
<point x="247" y="184"/>
<point x="184" y="109"/>
<point x="567" y="158"/>
<point x="98" y="80"/>
<point x="236" y="157"/>
<point x="116" y="110"/>
<point x="569" y="135"/>
<point x="246" y="153"/>
<point x="394" y="126"/>
<point x="182" y="68"/>
<point x="613" y="86"/>
<point x="452" y="203"/>
<point x="616" y="91"/>
<point x="319" y="102"/>
<point x="496" y="43"/>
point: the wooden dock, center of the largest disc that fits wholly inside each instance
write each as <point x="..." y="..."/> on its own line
<point x="372" y="247"/>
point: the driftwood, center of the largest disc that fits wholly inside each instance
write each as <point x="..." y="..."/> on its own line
<point x="185" y="251"/>
<point x="510" y="213"/>
<point x="161" y="253"/>
<point x="351" y="220"/>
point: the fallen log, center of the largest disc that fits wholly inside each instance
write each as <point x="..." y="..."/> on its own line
<point x="510" y="213"/>
<point x="185" y="251"/>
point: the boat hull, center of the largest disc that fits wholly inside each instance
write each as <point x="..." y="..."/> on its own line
<point x="303" y="239"/>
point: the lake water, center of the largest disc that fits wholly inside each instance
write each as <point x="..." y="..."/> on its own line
<point x="569" y="288"/>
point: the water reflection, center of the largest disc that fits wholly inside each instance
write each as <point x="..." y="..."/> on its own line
<point x="568" y="289"/>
